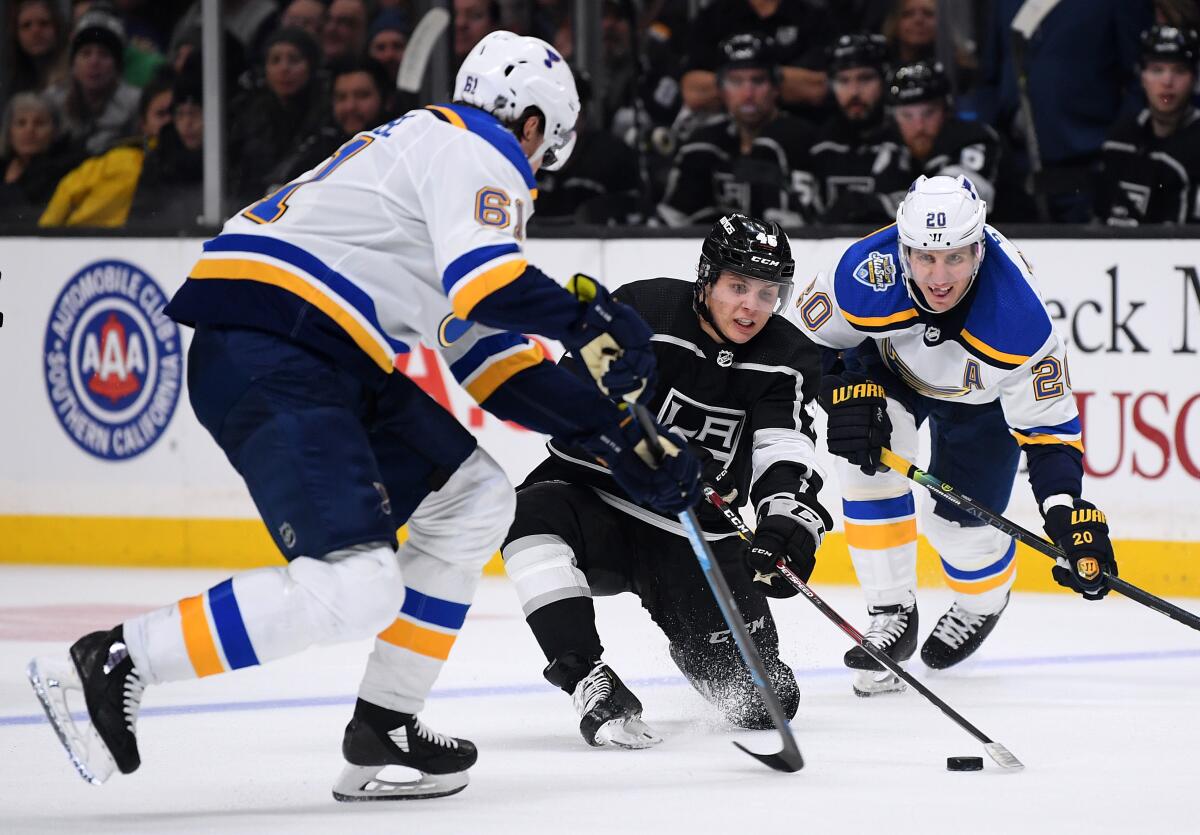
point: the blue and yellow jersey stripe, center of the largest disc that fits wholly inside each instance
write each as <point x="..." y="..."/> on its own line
<point x="235" y="257"/>
<point x="1069" y="433"/>
<point x="492" y="361"/>
<point x="426" y="625"/>
<point x="472" y="276"/>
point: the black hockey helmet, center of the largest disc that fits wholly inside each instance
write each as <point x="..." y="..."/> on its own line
<point x="917" y="82"/>
<point x="749" y="247"/>
<point x="1168" y="43"/>
<point x="857" y="50"/>
<point x="749" y="51"/>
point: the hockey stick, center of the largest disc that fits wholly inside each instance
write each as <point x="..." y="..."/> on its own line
<point x="420" y="47"/>
<point x="1001" y="755"/>
<point x="789" y="759"/>
<point x="945" y="493"/>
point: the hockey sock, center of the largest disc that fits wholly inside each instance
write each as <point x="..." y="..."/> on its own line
<point x="881" y="534"/>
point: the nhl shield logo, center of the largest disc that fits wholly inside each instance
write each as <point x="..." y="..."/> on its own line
<point x="933" y="335"/>
<point x="877" y="271"/>
<point x="113" y="360"/>
<point x="724" y="358"/>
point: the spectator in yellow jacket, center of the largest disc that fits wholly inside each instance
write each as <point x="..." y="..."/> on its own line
<point x="100" y="191"/>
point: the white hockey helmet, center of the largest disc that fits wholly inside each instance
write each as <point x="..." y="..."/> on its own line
<point x="506" y="73"/>
<point x="940" y="213"/>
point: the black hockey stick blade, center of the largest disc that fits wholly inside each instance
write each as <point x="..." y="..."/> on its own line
<point x="788" y="760"/>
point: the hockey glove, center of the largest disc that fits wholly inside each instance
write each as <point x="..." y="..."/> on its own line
<point x="788" y="531"/>
<point x="613" y="341"/>
<point x="669" y="486"/>
<point x="859" y="427"/>
<point x="714" y="474"/>
<point x="1082" y="533"/>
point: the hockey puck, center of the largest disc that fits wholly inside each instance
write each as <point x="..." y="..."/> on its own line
<point x="964" y="763"/>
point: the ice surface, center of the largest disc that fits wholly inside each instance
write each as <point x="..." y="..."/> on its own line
<point x="1097" y="699"/>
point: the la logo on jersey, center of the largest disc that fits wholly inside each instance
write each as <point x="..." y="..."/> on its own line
<point x="715" y="428"/>
<point x="877" y="271"/>
<point x="114" y="364"/>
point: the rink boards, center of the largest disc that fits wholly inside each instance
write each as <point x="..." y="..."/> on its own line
<point x="102" y="461"/>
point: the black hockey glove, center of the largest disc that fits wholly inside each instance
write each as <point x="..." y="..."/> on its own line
<point x="859" y="427"/>
<point x="1082" y="533"/>
<point x="714" y="474"/>
<point x="670" y="486"/>
<point x="788" y="531"/>
<point x="613" y="341"/>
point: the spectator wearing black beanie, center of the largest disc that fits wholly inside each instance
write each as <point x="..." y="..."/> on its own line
<point x="170" y="194"/>
<point x="97" y="106"/>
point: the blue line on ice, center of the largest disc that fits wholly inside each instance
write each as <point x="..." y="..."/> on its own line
<point x="658" y="681"/>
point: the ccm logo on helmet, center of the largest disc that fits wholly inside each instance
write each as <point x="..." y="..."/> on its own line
<point x="760" y="260"/>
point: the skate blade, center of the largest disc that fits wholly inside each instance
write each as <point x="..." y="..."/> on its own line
<point x="628" y="733"/>
<point x="362" y="782"/>
<point x="869" y="683"/>
<point x="51" y="679"/>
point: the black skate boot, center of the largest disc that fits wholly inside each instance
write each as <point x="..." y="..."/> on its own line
<point x="893" y="629"/>
<point x="609" y="713"/>
<point x="377" y="737"/>
<point x="957" y="635"/>
<point x="100" y="667"/>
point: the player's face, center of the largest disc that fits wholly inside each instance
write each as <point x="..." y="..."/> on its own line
<point x="942" y="276"/>
<point x="920" y="125"/>
<point x="32" y="132"/>
<point x="1168" y="86"/>
<point x="287" y="70"/>
<point x="857" y="91"/>
<point x="356" y="102"/>
<point x="740" y="305"/>
<point x="749" y="95"/>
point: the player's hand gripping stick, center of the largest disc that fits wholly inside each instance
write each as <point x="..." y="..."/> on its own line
<point x="789" y="759"/>
<point x="1001" y="755"/>
<point x="943" y="492"/>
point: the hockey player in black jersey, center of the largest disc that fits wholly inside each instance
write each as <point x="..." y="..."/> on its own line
<point x="754" y="159"/>
<point x="1152" y="159"/>
<point x="739" y="383"/>
<point x="924" y="136"/>
<point x="843" y="155"/>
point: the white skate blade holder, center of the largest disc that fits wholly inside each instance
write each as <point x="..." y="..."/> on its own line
<point x="628" y="733"/>
<point x="51" y="679"/>
<point x="362" y="782"/>
<point x="877" y="682"/>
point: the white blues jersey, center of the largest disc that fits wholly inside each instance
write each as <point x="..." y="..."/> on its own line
<point x="1004" y="347"/>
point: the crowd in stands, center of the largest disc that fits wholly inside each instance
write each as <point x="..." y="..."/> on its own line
<point x="801" y="111"/>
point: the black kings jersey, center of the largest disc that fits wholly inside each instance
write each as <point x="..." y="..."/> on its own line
<point x="751" y="406"/>
<point x="1148" y="179"/>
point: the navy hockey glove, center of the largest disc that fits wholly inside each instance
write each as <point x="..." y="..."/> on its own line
<point x="714" y="473"/>
<point x="788" y="531"/>
<point x="1082" y="533"/>
<point x="669" y="486"/>
<point x="613" y="341"/>
<point x="858" y="427"/>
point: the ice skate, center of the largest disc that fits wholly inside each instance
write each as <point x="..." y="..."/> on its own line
<point x="609" y="712"/>
<point x="377" y="738"/>
<point x="957" y="635"/>
<point x="100" y="668"/>
<point x="893" y="629"/>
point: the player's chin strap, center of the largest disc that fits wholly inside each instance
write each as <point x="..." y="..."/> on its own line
<point x="943" y="492"/>
<point x="1001" y="755"/>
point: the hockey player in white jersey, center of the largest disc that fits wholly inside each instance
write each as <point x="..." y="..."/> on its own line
<point x="411" y="231"/>
<point x="939" y="318"/>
